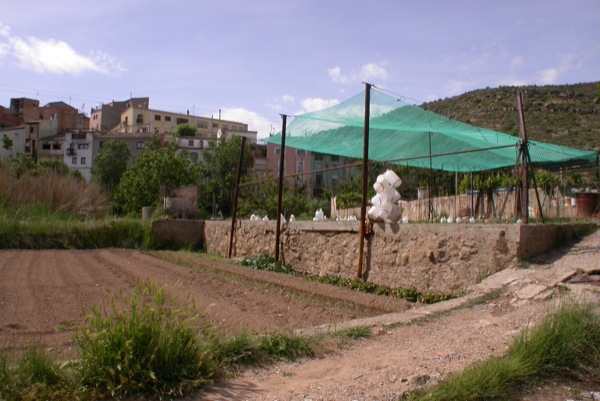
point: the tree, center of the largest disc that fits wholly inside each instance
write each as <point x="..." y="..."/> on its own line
<point x="141" y="183"/>
<point x="110" y="164"/>
<point x="185" y="130"/>
<point x="7" y="143"/>
<point x="218" y="170"/>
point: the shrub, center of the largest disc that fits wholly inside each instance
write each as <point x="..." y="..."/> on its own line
<point x="147" y="345"/>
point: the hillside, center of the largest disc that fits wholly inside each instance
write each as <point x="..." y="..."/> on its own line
<point x="566" y="115"/>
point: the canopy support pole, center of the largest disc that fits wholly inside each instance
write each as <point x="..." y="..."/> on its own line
<point x="280" y="193"/>
<point x="365" y="179"/>
<point x="236" y="194"/>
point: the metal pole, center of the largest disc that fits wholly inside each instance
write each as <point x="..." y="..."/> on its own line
<point x="280" y="193"/>
<point x="236" y="194"/>
<point x="525" y="165"/>
<point x="365" y="179"/>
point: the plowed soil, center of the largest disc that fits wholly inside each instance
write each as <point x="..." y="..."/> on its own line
<point x="44" y="294"/>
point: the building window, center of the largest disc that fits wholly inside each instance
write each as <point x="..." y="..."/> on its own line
<point x="190" y="142"/>
<point x="201" y="124"/>
<point x="83" y="146"/>
<point x="335" y="158"/>
<point x="182" y="121"/>
<point x="277" y="151"/>
<point x="141" y="145"/>
<point x="318" y="156"/>
<point x="167" y="118"/>
<point x="45" y="146"/>
<point x="82" y="161"/>
<point x="74" y="160"/>
<point x="56" y="146"/>
<point x="300" y="152"/>
<point x="157" y="117"/>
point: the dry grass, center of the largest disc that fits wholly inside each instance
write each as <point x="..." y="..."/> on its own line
<point x="60" y="193"/>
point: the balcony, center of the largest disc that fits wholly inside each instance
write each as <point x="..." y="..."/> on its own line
<point x="71" y="152"/>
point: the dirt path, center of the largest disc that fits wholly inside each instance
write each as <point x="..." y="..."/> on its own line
<point x="420" y="347"/>
<point x="42" y="294"/>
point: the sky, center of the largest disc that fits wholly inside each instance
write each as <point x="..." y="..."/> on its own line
<point x="255" y="60"/>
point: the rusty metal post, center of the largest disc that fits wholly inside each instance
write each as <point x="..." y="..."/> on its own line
<point x="236" y="194"/>
<point x="525" y="163"/>
<point x="280" y="193"/>
<point x="365" y="179"/>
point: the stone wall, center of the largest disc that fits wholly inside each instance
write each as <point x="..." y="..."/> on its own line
<point x="437" y="258"/>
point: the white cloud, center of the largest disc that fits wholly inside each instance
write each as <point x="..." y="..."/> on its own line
<point x="255" y="122"/>
<point x="548" y="76"/>
<point x="336" y="76"/>
<point x="367" y="73"/>
<point x="54" y="56"/>
<point x="288" y="99"/>
<point x="373" y="71"/>
<point x="315" y="104"/>
<point x="4" y="30"/>
<point x="453" y="87"/>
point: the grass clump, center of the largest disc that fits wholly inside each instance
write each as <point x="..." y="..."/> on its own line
<point x="148" y="345"/>
<point x="37" y="376"/>
<point x="564" y="344"/>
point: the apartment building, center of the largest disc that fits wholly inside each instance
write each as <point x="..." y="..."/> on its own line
<point x="318" y="172"/>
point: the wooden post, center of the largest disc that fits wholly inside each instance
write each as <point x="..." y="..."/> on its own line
<point x="525" y="165"/>
<point x="280" y="193"/>
<point x="236" y="194"/>
<point x="365" y="179"/>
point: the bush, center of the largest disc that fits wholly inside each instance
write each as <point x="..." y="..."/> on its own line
<point x="148" y="345"/>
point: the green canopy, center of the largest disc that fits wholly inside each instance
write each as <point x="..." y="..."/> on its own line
<point x="405" y="134"/>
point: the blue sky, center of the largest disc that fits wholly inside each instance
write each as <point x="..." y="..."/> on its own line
<point x="256" y="59"/>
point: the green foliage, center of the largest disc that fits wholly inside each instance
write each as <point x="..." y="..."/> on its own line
<point x="350" y="194"/>
<point x="145" y="345"/>
<point x="7" y="143"/>
<point x="110" y="164"/>
<point x="267" y="263"/>
<point x="409" y="294"/>
<point x="65" y="232"/>
<point x="560" y="114"/>
<point x="564" y="344"/>
<point x="261" y="199"/>
<point x="546" y="181"/>
<point x="37" y="376"/>
<point x="185" y="130"/>
<point x="218" y="170"/>
<point x="141" y="183"/>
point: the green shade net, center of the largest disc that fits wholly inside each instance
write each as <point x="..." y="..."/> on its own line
<point x="408" y="135"/>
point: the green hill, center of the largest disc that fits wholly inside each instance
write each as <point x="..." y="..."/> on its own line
<point x="566" y="115"/>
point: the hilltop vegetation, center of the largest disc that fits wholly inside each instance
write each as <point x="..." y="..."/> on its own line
<point x="566" y="115"/>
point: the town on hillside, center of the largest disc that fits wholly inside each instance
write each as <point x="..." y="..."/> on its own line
<point x="62" y="132"/>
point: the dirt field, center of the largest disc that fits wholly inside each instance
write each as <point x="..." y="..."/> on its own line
<point x="42" y="294"/>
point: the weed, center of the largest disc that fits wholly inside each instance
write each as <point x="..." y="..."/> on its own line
<point x="564" y="344"/>
<point x="147" y="345"/>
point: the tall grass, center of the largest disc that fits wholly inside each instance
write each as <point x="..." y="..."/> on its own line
<point x="144" y="345"/>
<point x="565" y="344"/>
<point x="89" y="234"/>
<point x="59" y="193"/>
